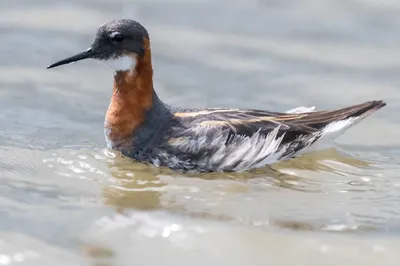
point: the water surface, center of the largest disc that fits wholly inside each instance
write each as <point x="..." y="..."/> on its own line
<point x="66" y="200"/>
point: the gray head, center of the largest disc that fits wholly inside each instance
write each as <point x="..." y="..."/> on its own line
<point x="118" y="42"/>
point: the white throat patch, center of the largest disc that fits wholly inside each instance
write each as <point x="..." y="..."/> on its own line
<point x="122" y="63"/>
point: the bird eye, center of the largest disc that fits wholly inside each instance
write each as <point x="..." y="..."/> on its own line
<point x="116" y="37"/>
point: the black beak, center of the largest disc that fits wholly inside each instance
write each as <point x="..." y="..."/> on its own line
<point x="88" y="53"/>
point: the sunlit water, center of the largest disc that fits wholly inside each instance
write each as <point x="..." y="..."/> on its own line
<point x="66" y="200"/>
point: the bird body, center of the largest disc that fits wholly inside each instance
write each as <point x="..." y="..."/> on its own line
<point x="143" y="127"/>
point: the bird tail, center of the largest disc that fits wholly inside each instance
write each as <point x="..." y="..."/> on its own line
<point x="348" y="115"/>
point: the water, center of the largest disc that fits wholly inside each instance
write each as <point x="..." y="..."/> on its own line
<point x="66" y="200"/>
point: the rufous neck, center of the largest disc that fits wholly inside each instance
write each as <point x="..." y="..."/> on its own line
<point x="132" y="97"/>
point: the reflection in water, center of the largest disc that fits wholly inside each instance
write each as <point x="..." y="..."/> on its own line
<point x="136" y="185"/>
<point x="292" y="174"/>
<point x="223" y="196"/>
<point x="319" y="161"/>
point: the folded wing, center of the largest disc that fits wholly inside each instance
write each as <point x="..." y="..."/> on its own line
<point x="240" y="139"/>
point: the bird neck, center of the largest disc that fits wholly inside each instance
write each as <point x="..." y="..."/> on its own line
<point x="131" y="99"/>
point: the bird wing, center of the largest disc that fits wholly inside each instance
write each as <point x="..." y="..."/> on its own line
<point x="222" y="139"/>
<point x="235" y="140"/>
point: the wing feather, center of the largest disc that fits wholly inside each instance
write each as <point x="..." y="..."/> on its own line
<point x="221" y="139"/>
<point x="228" y="140"/>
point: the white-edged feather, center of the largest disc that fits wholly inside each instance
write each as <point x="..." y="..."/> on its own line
<point x="249" y="150"/>
<point x="331" y="132"/>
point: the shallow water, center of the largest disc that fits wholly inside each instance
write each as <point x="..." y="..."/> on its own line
<point x="66" y="200"/>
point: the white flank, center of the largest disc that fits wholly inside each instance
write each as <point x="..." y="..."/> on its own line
<point x="122" y="63"/>
<point x="331" y="132"/>
<point x="301" y="109"/>
<point x="338" y="126"/>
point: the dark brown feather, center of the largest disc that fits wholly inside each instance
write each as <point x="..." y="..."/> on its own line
<point x="322" y="118"/>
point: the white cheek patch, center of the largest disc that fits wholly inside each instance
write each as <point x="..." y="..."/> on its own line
<point x="122" y="63"/>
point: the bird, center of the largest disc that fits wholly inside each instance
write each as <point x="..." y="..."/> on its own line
<point x="146" y="129"/>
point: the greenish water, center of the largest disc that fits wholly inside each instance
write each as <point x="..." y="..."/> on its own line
<point x="66" y="200"/>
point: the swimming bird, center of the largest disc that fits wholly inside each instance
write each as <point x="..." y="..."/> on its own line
<point x="143" y="127"/>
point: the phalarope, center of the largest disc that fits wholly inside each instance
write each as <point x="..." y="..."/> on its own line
<point x="141" y="126"/>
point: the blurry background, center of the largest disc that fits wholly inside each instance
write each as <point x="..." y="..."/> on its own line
<point x="65" y="199"/>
